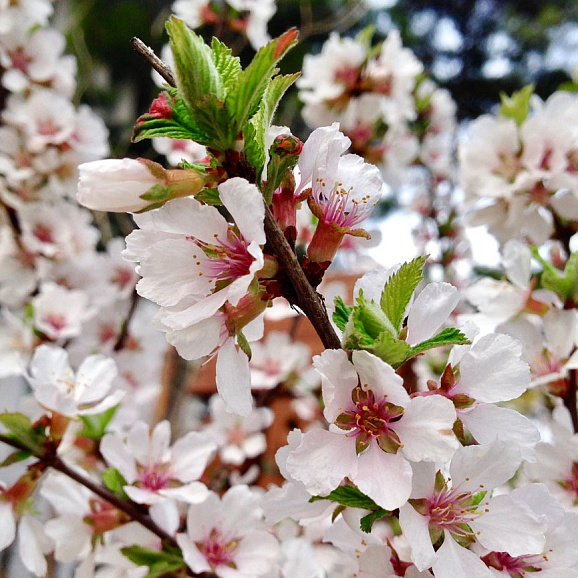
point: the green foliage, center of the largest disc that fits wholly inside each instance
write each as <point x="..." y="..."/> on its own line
<point x="517" y="106"/>
<point x="94" y="426"/>
<point x="564" y="284"/>
<point x="366" y="523"/>
<point x="115" y="482"/>
<point x="22" y="430"/>
<point x="349" y="495"/>
<point x="244" y="99"/>
<point x="15" y="457"/>
<point x="379" y="328"/>
<point x="399" y="288"/>
<point x="228" y="66"/>
<point x="160" y="563"/>
<point x="341" y="313"/>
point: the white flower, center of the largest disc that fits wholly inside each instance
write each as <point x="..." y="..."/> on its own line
<point x="59" y="389"/>
<point x="376" y="430"/>
<point x="452" y="508"/>
<point x="226" y="536"/>
<point x="155" y="471"/>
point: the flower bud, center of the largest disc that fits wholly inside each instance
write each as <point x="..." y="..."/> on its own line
<point x="133" y="185"/>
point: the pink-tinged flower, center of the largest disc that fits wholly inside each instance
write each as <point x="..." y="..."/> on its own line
<point x="131" y="185"/>
<point x="239" y="438"/>
<point x="459" y="509"/>
<point x="156" y="471"/>
<point x="59" y="313"/>
<point x="345" y="189"/>
<point x="226" y="536"/>
<point x="376" y="430"/>
<point x="15" y="519"/>
<point x="559" y="556"/>
<point x="59" y="389"/>
<point x="488" y="372"/>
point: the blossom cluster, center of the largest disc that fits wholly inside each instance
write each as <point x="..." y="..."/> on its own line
<point x="433" y="435"/>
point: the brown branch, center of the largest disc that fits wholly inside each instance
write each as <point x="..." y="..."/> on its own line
<point x="148" y="54"/>
<point x="54" y="462"/>
<point x="308" y="300"/>
<point x="570" y="399"/>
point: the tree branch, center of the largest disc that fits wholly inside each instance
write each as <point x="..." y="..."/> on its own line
<point x="308" y="299"/>
<point x="54" y="462"/>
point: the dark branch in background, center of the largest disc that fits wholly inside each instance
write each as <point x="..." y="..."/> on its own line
<point x="570" y="399"/>
<point x="54" y="462"/>
<point x="147" y="53"/>
<point x="308" y="300"/>
<point x="123" y="335"/>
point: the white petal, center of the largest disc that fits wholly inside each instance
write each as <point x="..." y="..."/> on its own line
<point x="380" y="377"/>
<point x="193" y="493"/>
<point x="322" y="460"/>
<point x="245" y="203"/>
<point x="454" y="561"/>
<point x="191" y="454"/>
<point x="494" y="528"/>
<point x="517" y="260"/>
<point x="193" y="557"/>
<point x="430" y="310"/>
<point x="493" y="370"/>
<point x="33" y="544"/>
<point x="338" y="379"/>
<point x="191" y="218"/>
<point x="166" y="515"/>
<point x="385" y="478"/>
<point x="197" y="340"/>
<point x="488" y="422"/>
<point x="7" y="525"/>
<point x="425" y="430"/>
<point x="117" y="455"/>
<point x="234" y="379"/>
<point x="415" y="528"/>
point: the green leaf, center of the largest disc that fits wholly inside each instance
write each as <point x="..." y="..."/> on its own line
<point x="448" y="336"/>
<point x="115" y="482"/>
<point x="256" y="130"/>
<point x="365" y="36"/>
<point x="195" y="70"/>
<point x="21" y="429"/>
<point x="180" y="125"/>
<point x="15" y="457"/>
<point x="210" y="197"/>
<point x="516" y="106"/>
<point x="228" y="66"/>
<point x="349" y="495"/>
<point x="398" y="290"/>
<point x="95" y="425"/>
<point x="160" y="563"/>
<point x="366" y="523"/>
<point x="245" y="97"/>
<point x="564" y="284"/>
<point x="244" y="344"/>
<point x="356" y="335"/>
<point x="390" y="349"/>
<point x="212" y="118"/>
<point x="341" y="313"/>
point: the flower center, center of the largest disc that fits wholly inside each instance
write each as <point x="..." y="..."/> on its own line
<point x="228" y="259"/>
<point x="218" y="552"/>
<point x="340" y="206"/>
<point x="154" y="477"/>
<point x="516" y="567"/>
<point x="369" y="419"/>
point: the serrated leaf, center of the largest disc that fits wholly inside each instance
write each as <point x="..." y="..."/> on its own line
<point x="448" y="336"/>
<point x="195" y="70"/>
<point x="212" y="118"/>
<point x="15" y="457"/>
<point x="228" y="66"/>
<point x="390" y="349"/>
<point x="564" y="283"/>
<point x="516" y="106"/>
<point x="21" y="428"/>
<point x="366" y="523"/>
<point x="341" y="313"/>
<point x="398" y="290"/>
<point x="245" y="97"/>
<point x="94" y="426"/>
<point x="160" y="563"/>
<point x="256" y="129"/>
<point x="349" y="495"/>
<point x="115" y="482"/>
<point x="356" y="335"/>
